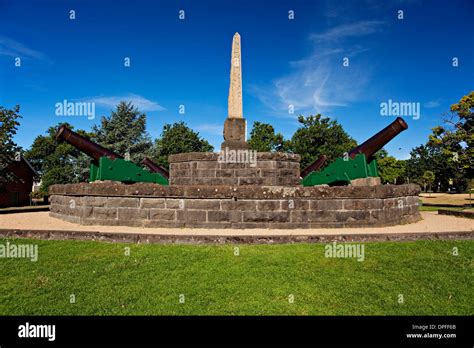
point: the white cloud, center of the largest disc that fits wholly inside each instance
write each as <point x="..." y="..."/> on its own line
<point x="348" y="30"/>
<point x="320" y="82"/>
<point x="141" y="103"/>
<point x="12" y="48"/>
<point x="432" y="104"/>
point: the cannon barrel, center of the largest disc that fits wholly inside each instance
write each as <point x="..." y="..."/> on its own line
<point x="155" y="168"/>
<point x="85" y="145"/>
<point x="379" y="140"/>
<point x="314" y="166"/>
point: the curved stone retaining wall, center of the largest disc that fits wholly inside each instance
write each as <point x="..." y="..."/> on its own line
<point x="152" y="205"/>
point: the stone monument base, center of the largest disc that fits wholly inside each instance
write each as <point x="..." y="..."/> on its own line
<point x="235" y="167"/>
<point x="234" y="134"/>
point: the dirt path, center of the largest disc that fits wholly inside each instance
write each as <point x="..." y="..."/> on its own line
<point x="446" y="198"/>
<point x="432" y="222"/>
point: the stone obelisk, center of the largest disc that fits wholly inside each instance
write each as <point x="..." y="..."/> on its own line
<point x="235" y="126"/>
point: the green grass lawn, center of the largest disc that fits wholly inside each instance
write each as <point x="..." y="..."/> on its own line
<point x="259" y="281"/>
<point x="438" y="207"/>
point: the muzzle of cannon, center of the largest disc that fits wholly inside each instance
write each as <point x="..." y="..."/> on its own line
<point x="107" y="165"/>
<point x="357" y="163"/>
<point x="379" y="140"/>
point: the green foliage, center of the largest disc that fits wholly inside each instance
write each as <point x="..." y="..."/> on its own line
<point x="320" y="135"/>
<point x="178" y="138"/>
<point x="455" y="137"/>
<point x="449" y="151"/>
<point x="124" y="132"/>
<point x="9" y="122"/>
<point x="391" y="170"/>
<point x="215" y="282"/>
<point x="37" y="194"/>
<point x="427" y="157"/>
<point x="264" y="139"/>
<point x="429" y="178"/>
<point x="380" y="154"/>
<point x="57" y="162"/>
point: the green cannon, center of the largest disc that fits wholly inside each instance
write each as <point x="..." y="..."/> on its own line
<point x="357" y="163"/>
<point x="107" y="165"/>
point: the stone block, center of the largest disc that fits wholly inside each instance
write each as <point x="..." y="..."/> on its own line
<point x="87" y="212"/>
<point x="162" y="214"/>
<point x="225" y="173"/>
<point x="268" y="173"/>
<point x="208" y="165"/>
<point x="91" y="201"/>
<point x="293" y="165"/>
<point x="352" y="215"/>
<point x="268" y="205"/>
<point x="323" y="204"/>
<point x="146" y="203"/>
<point x="132" y="214"/>
<point x="229" y="216"/>
<point x="204" y="173"/>
<point x="191" y="216"/>
<point x="265" y="216"/>
<point x="123" y="202"/>
<point x="175" y="203"/>
<point x="181" y="173"/>
<point x="208" y="181"/>
<point x="251" y="181"/>
<point x="239" y="205"/>
<point x="362" y="204"/>
<point x="230" y="165"/>
<point x="246" y="173"/>
<point x="287" y="173"/>
<point x="199" y="204"/>
<point x="104" y="213"/>
<point x="266" y="164"/>
<point x="296" y="204"/>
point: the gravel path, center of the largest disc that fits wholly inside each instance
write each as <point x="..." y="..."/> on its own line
<point x="431" y="223"/>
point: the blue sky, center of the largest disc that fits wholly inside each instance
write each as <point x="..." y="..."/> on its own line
<point x="285" y="62"/>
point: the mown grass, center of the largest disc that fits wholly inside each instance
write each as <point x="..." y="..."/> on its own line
<point x="438" y="207"/>
<point x="214" y="281"/>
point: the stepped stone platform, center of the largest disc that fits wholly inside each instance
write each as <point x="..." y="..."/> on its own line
<point x="226" y="206"/>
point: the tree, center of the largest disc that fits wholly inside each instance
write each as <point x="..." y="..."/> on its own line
<point x="8" y="127"/>
<point x="456" y="137"/>
<point x="57" y="162"/>
<point x="428" y="179"/>
<point x="124" y="132"/>
<point x="391" y="170"/>
<point x="264" y="139"/>
<point x="426" y="157"/>
<point x="320" y="135"/>
<point x="178" y="138"/>
<point x="448" y="152"/>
